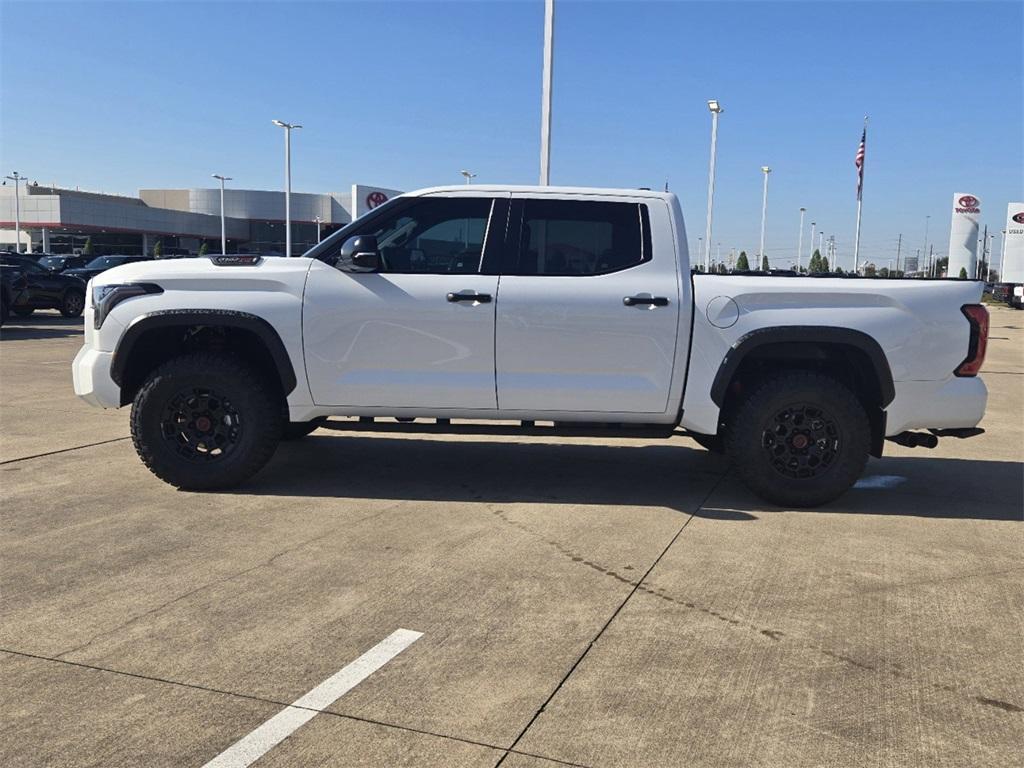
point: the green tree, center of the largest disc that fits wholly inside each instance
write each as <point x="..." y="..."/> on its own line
<point x="204" y="249"/>
<point x="742" y="264"/>
<point x="814" y="266"/>
<point x="839" y="271"/>
<point x="824" y="263"/>
<point x="869" y="270"/>
<point x="764" y="263"/>
<point x="87" y="251"/>
<point x="963" y="273"/>
<point x="158" y="249"/>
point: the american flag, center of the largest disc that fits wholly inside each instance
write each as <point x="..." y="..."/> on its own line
<point x="859" y="162"/>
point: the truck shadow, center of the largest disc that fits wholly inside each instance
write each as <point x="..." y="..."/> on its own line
<point x="41" y="325"/>
<point x="673" y="474"/>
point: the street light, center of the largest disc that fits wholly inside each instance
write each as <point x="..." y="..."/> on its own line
<point x="288" y="127"/>
<point x="318" y="221"/>
<point x="716" y="110"/>
<point x="469" y="176"/>
<point x="764" y="208"/>
<point x="810" y="248"/>
<point x="700" y="247"/>
<point x="223" y="235"/>
<point x="16" y="178"/>
<point x="800" y="246"/>
<point x="545" y="95"/>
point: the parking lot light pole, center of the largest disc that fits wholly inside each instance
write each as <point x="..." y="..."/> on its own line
<point x="764" y="211"/>
<point x="716" y="110"/>
<point x="318" y="221"/>
<point x="469" y="176"/>
<point x="16" y="178"/>
<point x="223" y="230"/>
<point x="288" y="127"/>
<point x="545" y="96"/>
<point x="800" y="245"/>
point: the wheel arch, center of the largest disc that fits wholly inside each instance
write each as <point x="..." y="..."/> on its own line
<point x="157" y="336"/>
<point x="852" y="356"/>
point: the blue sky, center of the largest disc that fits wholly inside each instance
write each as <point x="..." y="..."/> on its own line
<point x="118" y="96"/>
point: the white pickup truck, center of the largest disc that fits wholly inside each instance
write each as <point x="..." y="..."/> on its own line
<point x="564" y="311"/>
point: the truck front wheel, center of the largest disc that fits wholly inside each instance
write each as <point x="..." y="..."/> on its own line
<point x="205" y="421"/>
<point x="800" y="440"/>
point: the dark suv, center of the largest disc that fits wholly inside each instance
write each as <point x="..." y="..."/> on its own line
<point x="43" y="289"/>
<point x="60" y="262"/>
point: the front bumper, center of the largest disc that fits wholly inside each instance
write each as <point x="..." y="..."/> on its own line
<point x="956" y="402"/>
<point x="91" y="373"/>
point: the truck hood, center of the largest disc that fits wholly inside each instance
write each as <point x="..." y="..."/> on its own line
<point x="201" y="274"/>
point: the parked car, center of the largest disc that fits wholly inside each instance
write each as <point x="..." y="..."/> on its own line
<point x="61" y="262"/>
<point x="45" y="289"/>
<point x="103" y="263"/>
<point x="12" y="285"/>
<point x="542" y="305"/>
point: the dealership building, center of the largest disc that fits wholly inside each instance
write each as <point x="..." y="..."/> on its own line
<point x="58" y="220"/>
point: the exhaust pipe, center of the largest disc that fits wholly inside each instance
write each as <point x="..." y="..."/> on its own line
<point x="915" y="439"/>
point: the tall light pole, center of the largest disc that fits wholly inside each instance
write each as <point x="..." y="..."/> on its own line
<point x="926" y="220"/>
<point x="223" y="230"/>
<point x="318" y="221"/>
<point x="800" y="247"/>
<point x="469" y="176"/>
<point x="810" y="248"/>
<point x="288" y="128"/>
<point x="700" y="247"/>
<point x="716" y="110"/>
<point x="545" y="103"/>
<point x="764" y="210"/>
<point x="16" y="178"/>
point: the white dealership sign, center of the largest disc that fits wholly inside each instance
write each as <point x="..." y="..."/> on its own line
<point x="367" y="198"/>
<point x="963" y="235"/>
<point x="1013" y="259"/>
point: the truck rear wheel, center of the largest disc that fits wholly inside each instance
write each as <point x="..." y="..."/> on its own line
<point x="800" y="440"/>
<point x="204" y="421"/>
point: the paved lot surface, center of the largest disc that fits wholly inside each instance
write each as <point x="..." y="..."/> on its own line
<point x="585" y="603"/>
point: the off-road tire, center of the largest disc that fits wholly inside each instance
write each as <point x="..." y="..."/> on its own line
<point x="23" y="311"/>
<point x="765" y="444"/>
<point x="255" y="410"/>
<point x="72" y="303"/>
<point x="296" y="430"/>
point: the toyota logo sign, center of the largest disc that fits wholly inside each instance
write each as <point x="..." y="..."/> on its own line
<point x="1019" y="217"/>
<point x="968" y="201"/>
<point x="375" y="198"/>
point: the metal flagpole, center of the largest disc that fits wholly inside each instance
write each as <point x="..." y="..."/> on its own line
<point x="860" y="197"/>
<point x="545" y="108"/>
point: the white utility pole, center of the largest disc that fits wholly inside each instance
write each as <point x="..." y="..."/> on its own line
<point x="16" y="178"/>
<point x="545" y="105"/>
<point x="318" y="221"/>
<point x="764" y="212"/>
<point x="800" y="247"/>
<point x="223" y="229"/>
<point x="469" y="176"/>
<point x="288" y="128"/>
<point x="927" y="219"/>
<point x="810" y="248"/>
<point x="716" y="110"/>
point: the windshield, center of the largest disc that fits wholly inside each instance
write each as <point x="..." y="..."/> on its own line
<point x="105" y="262"/>
<point x="52" y="261"/>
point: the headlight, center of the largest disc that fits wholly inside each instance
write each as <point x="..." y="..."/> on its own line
<point x="106" y="297"/>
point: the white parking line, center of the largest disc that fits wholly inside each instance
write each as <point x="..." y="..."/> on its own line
<point x="251" y="748"/>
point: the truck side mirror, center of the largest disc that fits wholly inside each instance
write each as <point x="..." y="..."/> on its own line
<point x="360" y="253"/>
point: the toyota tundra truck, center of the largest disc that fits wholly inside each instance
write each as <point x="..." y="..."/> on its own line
<point x="554" y="311"/>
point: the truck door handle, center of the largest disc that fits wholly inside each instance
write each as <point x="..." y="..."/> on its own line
<point x="651" y="301"/>
<point x="483" y="298"/>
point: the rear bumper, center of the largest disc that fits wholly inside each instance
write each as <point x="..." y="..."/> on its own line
<point x="950" y="404"/>
<point x="91" y="373"/>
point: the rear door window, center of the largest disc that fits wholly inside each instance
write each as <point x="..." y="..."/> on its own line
<point x="577" y="237"/>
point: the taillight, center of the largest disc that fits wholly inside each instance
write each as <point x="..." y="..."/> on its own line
<point x="977" y="316"/>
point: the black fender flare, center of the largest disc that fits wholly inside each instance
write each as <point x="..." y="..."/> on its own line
<point x="165" y="318"/>
<point x="803" y="334"/>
